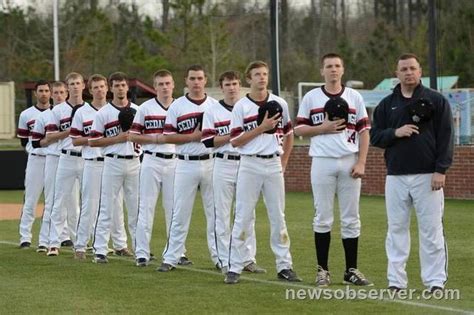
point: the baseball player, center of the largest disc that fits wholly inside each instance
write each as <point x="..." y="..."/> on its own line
<point x="418" y="152"/>
<point x="263" y="158"/>
<point x="38" y="140"/>
<point x="34" y="173"/>
<point x="193" y="169"/>
<point x="339" y="152"/>
<point x="216" y="134"/>
<point x="92" y="174"/>
<point x="70" y="165"/>
<point x="158" y="165"/>
<point x="121" y="167"/>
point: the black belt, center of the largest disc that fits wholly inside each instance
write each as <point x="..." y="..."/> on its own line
<point x="40" y="155"/>
<point x="99" y="159"/>
<point x="267" y="156"/>
<point x="194" y="157"/>
<point x="161" y="155"/>
<point x="71" y="153"/>
<point x="117" y="156"/>
<point x="227" y="156"/>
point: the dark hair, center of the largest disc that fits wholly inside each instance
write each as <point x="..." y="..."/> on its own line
<point x="41" y="82"/>
<point x="255" y="65"/>
<point x="117" y="76"/>
<point x="162" y="73"/>
<point x="95" y="78"/>
<point x="329" y="56"/>
<point x="195" y="68"/>
<point x="406" y="56"/>
<point x="229" y="75"/>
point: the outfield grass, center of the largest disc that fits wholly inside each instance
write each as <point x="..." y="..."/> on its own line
<point x="32" y="283"/>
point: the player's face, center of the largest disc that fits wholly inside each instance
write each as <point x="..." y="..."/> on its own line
<point x="75" y="87"/>
<point x="258" y="78"/>
<point x="43" y="94"/>
<point x="332" y="70"/>
<point x="230" y="88"/>
<point x="196" y="81"/>
<point x="59" y="94"/>
<point x="119" y="89"/>
<point x="409" y="72"/>
<point x="99" y="89"/>
<point x="164" y="86"/>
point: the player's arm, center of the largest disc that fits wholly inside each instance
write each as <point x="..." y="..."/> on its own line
<point x="175" y="138"/>
<point x="52" y="137"/>
<point x="287" y="147"/>
<point x="104" y="142"/>
<point x="358" y="170"/>
<point x="268" y="123"/>
<point x="147" y="139"/>
<point x="80" y="141"/>
<point x="326" y="127"/>
<point x="221" y="140"/>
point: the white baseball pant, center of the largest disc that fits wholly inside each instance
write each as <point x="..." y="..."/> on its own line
<point x="224" y="185"/>
<point x="34" y="183"/>
<point x="328" y="177"/>
<point x="117" y="174"/>
<point x="156" y="175"/>
<point x="260" y="175"/>
<point x="68" y="174"/>
<point x="402" y="192"/>
<point x="188" y="176"/>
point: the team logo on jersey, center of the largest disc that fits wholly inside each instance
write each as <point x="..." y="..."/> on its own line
<point x="188" y="123"/>
<point x="87" y="127"/>
<point x="250" y="123"/>
<point x="112" y="129"/>
<point x="64" y="123"/>
<point x="155" y="122"/>
<point x="222" y="128"/>
<point x="30" y="125"/>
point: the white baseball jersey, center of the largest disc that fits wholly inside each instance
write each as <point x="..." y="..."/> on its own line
<point x="106" y="124"/>
<point x="39" y="131"/>
<point x="244" y="119"/>
<point x="150" y="120"/>
<point x="26" y="124"/>
<point x="311" y="112"/>
<point x="81" y="126"/>
<point x="61" y="120"/>
<point x="183" y="117"/>
<point x="216" y="122"/>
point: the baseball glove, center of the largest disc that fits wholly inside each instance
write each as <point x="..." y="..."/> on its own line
<point x="420" y="111"/>
<point x="337" y="108"/>
<point x="272" y="108"/>
<point x="125" y="117"/>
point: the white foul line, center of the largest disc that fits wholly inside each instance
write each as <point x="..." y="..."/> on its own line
<point x="289" y="284"/>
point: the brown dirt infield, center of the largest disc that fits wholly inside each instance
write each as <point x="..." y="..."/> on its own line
<point x="12" y="211"/>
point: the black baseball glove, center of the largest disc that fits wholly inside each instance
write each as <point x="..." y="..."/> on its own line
<point x="337" y="108"/>
<point x="420" y="111"/>
<point x="125" y="117"/>
<point x="272" y="108"/>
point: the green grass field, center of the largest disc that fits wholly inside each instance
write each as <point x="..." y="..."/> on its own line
<point x="35" y="284"/>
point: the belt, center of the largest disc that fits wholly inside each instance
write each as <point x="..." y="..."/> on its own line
<point x="71" y="153"/>
<point x="118" y="156"/>
<point x="194" y="157"/>
<point x="267" y="156"/>
<point x="99" y="159"/>
<point x="40" y="155"/>
<point x="161" y="155"/>
<point x="227" y="156"/>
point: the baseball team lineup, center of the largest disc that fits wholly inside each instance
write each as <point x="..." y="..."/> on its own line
<point x="90" y="159"/>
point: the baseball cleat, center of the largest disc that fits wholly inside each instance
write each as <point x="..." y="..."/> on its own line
<point x="165" y="267"/>
<point x="123" y="252"/>
<point x="42" y="249"/>
<point x="184" y="261"/>
<point x="395" y="288"/>
<point x="141" y="262"/>
<point x="289" y="275"/>
<point x="100" y="259"/>
<point x="67" y="243"/>
<point x="152" y="257"/>
<point x="232" y="278"/>
<point x="322" y="278"/>
<point x="254" y="268"/>
<point x="53" y="251"/>
<point x="80" y="255"/>
<point x="435" y="289"/>
<point x="25" y="245"/>
<point x="355" y="277"/>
